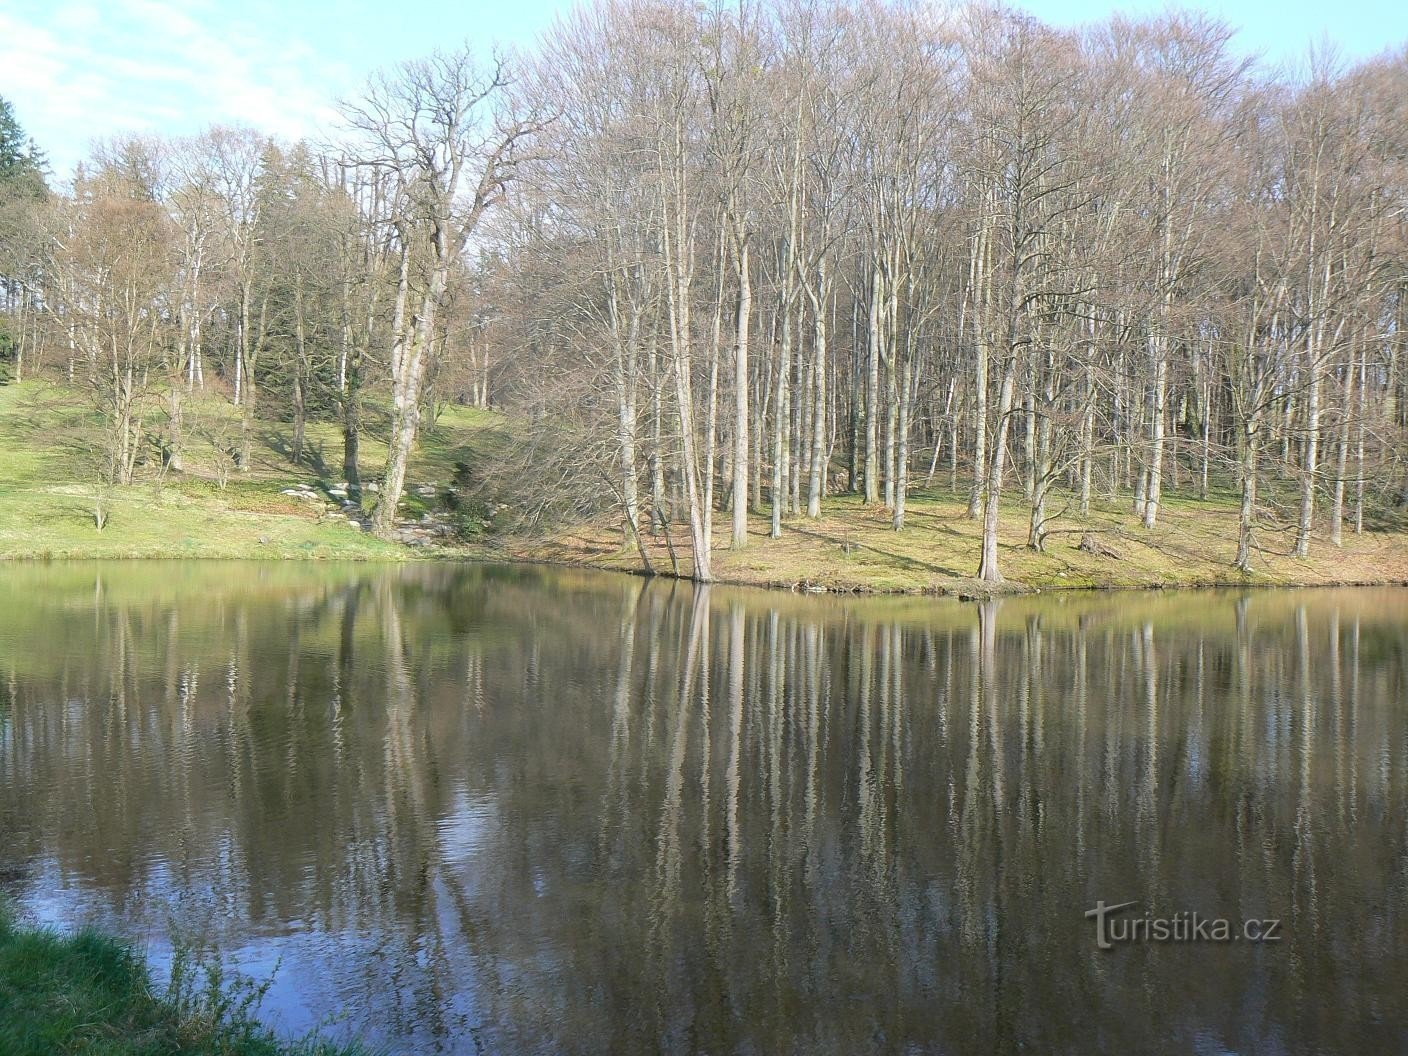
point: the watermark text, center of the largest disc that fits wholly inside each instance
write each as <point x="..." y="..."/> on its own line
<point x="1119" y="924"/>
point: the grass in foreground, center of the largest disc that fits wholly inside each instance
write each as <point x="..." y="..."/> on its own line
<point x="89" y="995"/>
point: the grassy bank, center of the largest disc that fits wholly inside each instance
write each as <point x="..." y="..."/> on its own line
<point x="48" y="491"/>
<point x="852" y="547"/>
<point x="47" y="497"/>
<point x="87" y="994"/>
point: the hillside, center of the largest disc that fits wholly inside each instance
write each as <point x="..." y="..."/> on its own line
<point x="49" y="441"/>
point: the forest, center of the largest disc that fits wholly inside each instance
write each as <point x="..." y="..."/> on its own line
<point x="710" y="262"/>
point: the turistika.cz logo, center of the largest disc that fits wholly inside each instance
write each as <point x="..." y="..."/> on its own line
<point x="1115" y="926"/>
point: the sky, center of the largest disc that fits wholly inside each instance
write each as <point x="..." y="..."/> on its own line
<point x="76" y="70"/>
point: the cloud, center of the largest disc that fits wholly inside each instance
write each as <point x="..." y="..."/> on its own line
<point x="77" y="72"/>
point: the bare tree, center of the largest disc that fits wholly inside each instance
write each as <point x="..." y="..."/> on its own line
<point x="446" y="131"/>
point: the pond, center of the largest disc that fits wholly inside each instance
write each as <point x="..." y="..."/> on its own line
<point x="473" y="808"/>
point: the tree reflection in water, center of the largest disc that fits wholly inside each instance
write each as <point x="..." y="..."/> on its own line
<point x="516" y="810"/>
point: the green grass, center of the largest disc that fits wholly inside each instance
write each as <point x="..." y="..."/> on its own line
<point x="48" y="491"/>
<point x="87" y="994"/>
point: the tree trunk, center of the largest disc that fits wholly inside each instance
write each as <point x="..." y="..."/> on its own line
<point x="987" y="568"/>
<point x="1157" y="411"/>
<point x="978" y="287"/>
<point x="902" y="445"/>
<point x="1342" y="457"/>
<point x="782" y="419"/>
<point x="872" y="392"/>
<point x="817" y="480"/>
<point x="408" y="362"/>
<point x="1247" y="513"/>
<point x="175" y="451"/>
<point x="1312" y="453"/>
<point x="740" y="411"/>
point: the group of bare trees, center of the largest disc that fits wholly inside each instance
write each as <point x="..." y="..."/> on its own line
<point x="172" y="267"/>
<point x="740" y="258"/>
<point x="230" y="261"/>
<point x="779" y="250"/>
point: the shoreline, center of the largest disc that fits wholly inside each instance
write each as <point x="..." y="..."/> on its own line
<point x="852" y="550"/>
<point x="512" y="552"/>
<point x="975" y="592"/>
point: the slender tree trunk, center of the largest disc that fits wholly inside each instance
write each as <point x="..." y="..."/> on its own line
<point x="1312" y="454"/>
<point x="1246" y="514"/>
<point x="741" y="379"/>
<point x="250" y="345"/>
<point x="978" y="284"/>
<point x="300" y="370"/>
<point x="987" y="568"/>
<point x="1207" y="440"/>
<point x="1043" y="470"/>
<point x="1029" y="438"/>
<point x="782" y="417"/>
<point x="1157" y="412"/>
<point x="679" y="253"/>
<point x="625" y="376"/>
<point x="1087" y="424"/>
<point x="1359" y="441"/>
<point x="1342" y="456"/>
<point x="872" y="391"/>
<point x="817" y="482"/>
<point x="902" y="446"/>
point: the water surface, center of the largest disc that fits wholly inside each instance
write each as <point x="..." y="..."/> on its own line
<point x="461" y="809"/>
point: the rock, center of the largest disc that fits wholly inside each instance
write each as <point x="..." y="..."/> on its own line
<point x="1090" y="545"/>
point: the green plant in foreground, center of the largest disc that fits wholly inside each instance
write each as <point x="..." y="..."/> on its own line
<point x="88" y="994"/>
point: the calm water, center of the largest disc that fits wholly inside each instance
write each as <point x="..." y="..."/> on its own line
<point x="465" y="809"/>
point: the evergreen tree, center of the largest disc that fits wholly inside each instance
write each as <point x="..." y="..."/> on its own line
<point x="22" y="163"/>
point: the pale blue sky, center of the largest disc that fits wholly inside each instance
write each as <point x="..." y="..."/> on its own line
<point x="76" y="69"/>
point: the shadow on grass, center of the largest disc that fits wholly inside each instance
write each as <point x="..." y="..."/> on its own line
<point x="902" y="561"/>
<point x="313" y="459"/>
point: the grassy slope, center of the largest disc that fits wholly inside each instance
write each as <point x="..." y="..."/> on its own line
<point x="88" y="995"/>
<point x="852" y="547"/>
<point x="46" y="501"/>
